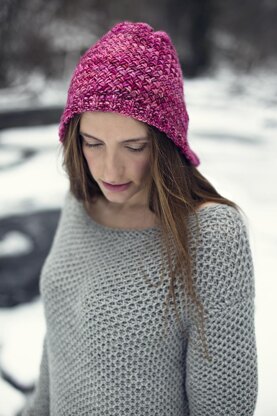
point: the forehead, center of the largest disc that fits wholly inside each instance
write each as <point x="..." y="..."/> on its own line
<point x="113" y="124"/>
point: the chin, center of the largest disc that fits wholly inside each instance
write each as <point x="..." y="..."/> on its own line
<point x="121" y="197"/>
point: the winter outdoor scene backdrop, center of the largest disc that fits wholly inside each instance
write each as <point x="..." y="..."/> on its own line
<point x="233" y="129"/>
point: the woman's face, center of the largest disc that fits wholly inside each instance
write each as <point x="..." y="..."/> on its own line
<point x="115" y="158"/>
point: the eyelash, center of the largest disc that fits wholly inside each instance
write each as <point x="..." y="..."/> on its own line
<point x="130" y="148"/>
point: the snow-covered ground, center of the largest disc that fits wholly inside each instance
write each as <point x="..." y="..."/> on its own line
<point x="233" y="129"/>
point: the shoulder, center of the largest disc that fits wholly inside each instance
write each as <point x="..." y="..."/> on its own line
<point x="218" y="221"/>
<point x="223" y="264"/>
<point x="71" y="227"/>
<point x="72" y="215"/>
<point x="71" y="206"/>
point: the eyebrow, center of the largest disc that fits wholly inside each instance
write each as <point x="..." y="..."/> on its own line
<point x="136" y="139"/>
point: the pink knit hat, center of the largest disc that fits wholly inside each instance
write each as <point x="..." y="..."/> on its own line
<point x="134" y="71"/>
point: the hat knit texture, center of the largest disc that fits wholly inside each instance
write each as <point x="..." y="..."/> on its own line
<point x="134" y="71"/>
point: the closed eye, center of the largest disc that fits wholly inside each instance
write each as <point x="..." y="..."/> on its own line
<point x="132" y="149"/>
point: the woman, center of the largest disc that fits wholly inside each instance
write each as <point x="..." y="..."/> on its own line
<point x="148" y="289"/>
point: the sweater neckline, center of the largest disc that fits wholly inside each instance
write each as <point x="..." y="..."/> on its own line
<point x="102" y="227"/>
<point x="146" y="230"/>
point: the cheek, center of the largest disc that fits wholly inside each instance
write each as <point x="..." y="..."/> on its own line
<point x="141" y="168"/>
<point x="89" y="158"/>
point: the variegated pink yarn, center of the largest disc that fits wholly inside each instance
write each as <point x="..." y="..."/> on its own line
<point x="134" y="71"/>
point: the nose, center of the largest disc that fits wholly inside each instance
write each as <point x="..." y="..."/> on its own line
<point x="113" y="169"/>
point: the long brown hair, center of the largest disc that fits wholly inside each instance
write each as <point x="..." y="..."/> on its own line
<point x="177" y="190"/>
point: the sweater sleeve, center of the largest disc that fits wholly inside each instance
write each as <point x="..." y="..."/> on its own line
<point x="38" y="403"/>
<point x="227" y="384"/>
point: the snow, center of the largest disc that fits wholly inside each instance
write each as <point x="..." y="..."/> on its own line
<point x="40" y="182"/>
<point x="15" y="243"/>
<point x="233" y="126"/>
<point x="13" y="400"/>
<point x="35" y="92"/>
<point x="22" y="332"/>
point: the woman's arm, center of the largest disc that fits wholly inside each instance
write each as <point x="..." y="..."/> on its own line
<point x="38" y="403"/>
<point x="228" y="385"/>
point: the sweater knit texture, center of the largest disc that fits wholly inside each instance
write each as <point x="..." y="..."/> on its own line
<point x="105" y="351"/>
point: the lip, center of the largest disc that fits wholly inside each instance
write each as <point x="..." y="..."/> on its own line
<point x="116" y="188"/>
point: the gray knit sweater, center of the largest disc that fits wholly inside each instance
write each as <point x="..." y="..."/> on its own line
<point x="105" y="352"/>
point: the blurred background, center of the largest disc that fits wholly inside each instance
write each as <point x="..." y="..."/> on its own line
<point x="228" y="55"/>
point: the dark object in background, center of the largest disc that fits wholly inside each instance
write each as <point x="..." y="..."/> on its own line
<point x="190" y="24"/>
<point x="30" y="117"/>
<point x="26" y="240"/>
<point x="204" y="32"/>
